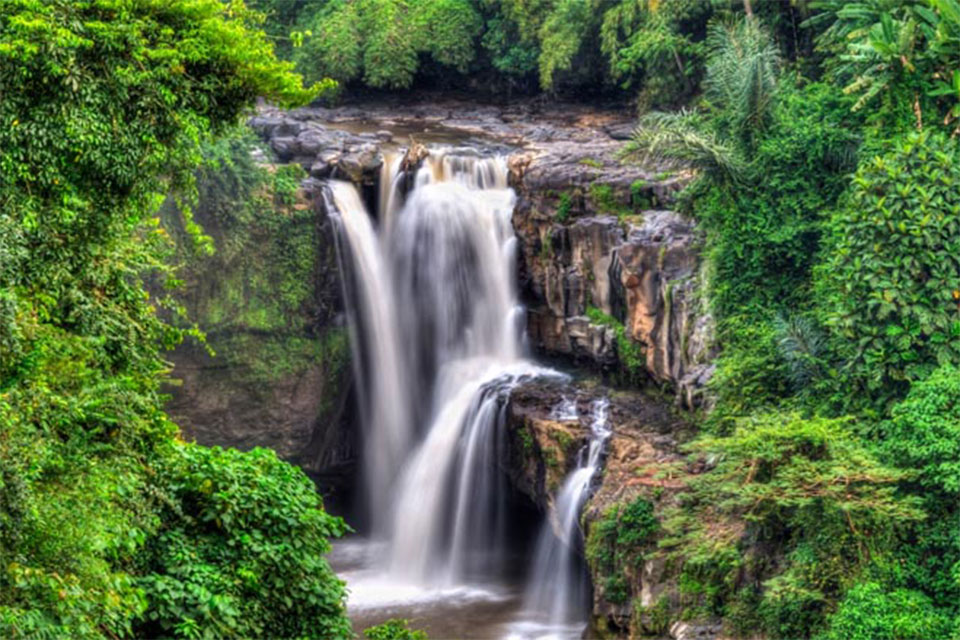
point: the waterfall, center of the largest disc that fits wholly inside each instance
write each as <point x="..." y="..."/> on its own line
<point x="383" y="393"/>
<point x="557" y="590"/>
<point x="437" y="327"/>
<point x="437" y="333"/>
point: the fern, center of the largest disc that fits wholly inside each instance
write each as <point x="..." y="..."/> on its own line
<point x="802" y="346"/>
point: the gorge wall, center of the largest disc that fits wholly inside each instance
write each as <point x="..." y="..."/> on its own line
<point x="275" y="369"/>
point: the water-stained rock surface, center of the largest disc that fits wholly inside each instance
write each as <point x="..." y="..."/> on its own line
<point x="643" y="471"/>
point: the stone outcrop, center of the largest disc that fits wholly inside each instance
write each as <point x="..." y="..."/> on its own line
<point x="585" y="269"/>
<point x="655" y="294"/>
<point x="647" y="432"/>
<point x="599" y="245"/>
<point x="544" y="445"/>
<point x="566" y="270"/>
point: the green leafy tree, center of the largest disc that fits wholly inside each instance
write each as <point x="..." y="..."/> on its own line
<point x="657" y="47"/>
<point x="382" y="40"/>
<point x="921" y="436"/>
<point x="892" y="275"/>
<point x="240" y="551"/>
<point x="104" y="106"/>
<point x="923" y="431"/>
<point x="740" y="82"/>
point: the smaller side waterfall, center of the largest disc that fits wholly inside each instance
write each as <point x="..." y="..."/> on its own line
<point x="558" y="586"/>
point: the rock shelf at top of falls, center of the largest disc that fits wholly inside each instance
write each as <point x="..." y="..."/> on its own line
<point x="593" y="234"/>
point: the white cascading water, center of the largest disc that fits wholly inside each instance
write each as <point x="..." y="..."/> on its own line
<point x="384" y="396"/>
<point x="437" y="332"/>
<point x="435" y="319"/>
<point x="557" y="592"/>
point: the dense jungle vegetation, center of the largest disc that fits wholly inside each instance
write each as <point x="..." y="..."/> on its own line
<point x="825" y="136"/>
<point x="110" y="526"/>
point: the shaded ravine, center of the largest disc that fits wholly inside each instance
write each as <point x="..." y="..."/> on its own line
<point x="438" y="336"/>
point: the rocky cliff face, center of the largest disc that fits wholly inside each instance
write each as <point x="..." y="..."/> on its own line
<point x="636" y="591"/>
<point x="275" y="370"/>
<point x="602" y="256"/>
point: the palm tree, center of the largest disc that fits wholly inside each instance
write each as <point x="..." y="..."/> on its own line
<point x="684" y="139"/>
<point x="742" y="67"/>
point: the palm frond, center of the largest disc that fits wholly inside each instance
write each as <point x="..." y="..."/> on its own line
<point x="802" y="346"/>
<point x="683" y="139"/>
<point x="742" y="69"/>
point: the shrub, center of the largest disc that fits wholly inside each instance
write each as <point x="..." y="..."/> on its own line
<point x="892" y="274"/>
<point x="616" y="544"/>
<point x="240" y="551"/>
<point x="923" y="431"/>
<point x="395" y="629"/>
<point x="868" y="612"/>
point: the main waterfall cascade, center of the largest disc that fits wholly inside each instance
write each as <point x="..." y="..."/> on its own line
<point x="438" y="340"/>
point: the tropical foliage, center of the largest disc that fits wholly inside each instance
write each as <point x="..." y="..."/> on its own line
<point x="826" y="189"/>
<point x="820" y="499"/>
<point x="108" y="526"/>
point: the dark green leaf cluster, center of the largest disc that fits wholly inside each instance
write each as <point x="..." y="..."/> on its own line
<point x="892" y="275"/>
<point x="239" y="551"/>
<point x="103" y="109"/>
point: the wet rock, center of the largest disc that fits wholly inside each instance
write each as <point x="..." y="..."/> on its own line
<point x="360" y="164"/>
<point x="413" y="156"/>
<point x="285" y="147"/>
<point x="314" y="140"/>
<point x="691" y="631"/>
<point x="566" y="272"/>
<point x="655" y="279"/>
<point x="543" y="446"/>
